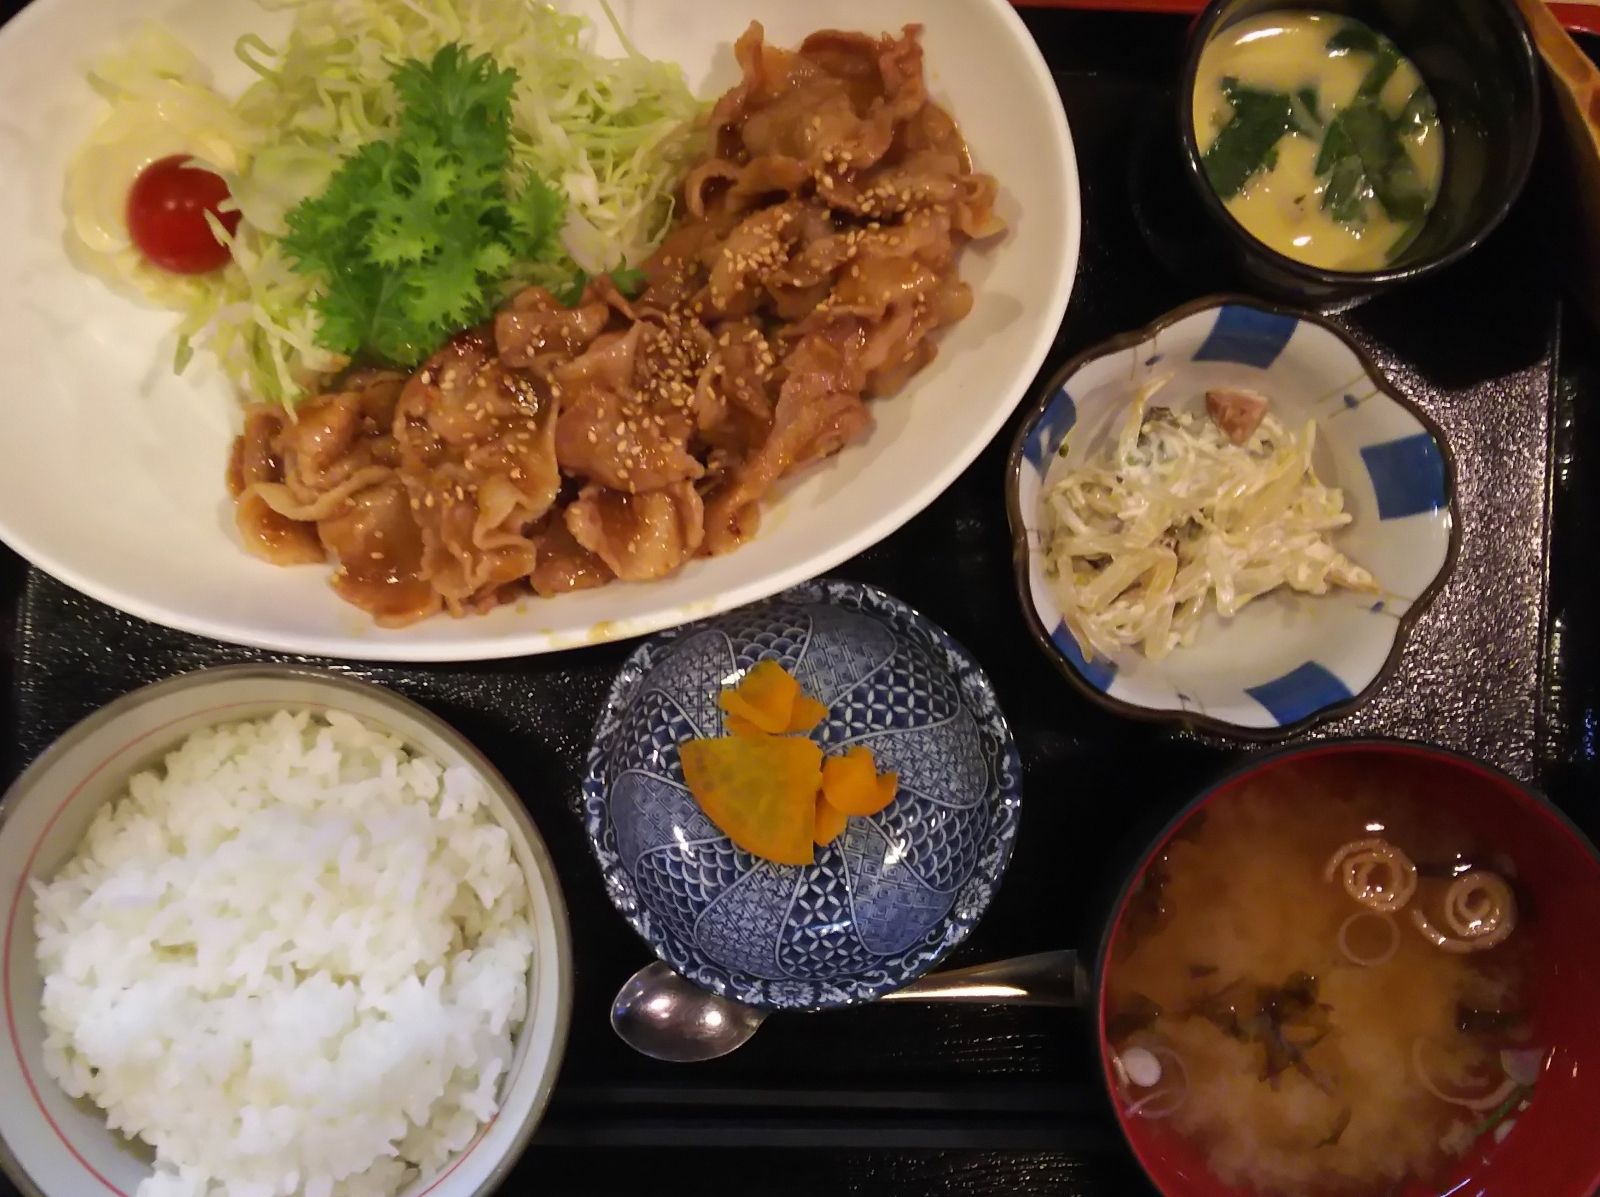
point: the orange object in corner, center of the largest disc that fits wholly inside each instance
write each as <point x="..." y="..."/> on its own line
<point x="760" y="791"/>
<point x="830" y="822"/>
<point x="851" y="783"/>
<point x="807" y="713"/>
<point x="765" y="697"/>
<point x="738" y="725"/>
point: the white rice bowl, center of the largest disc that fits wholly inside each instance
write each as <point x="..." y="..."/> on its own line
<point x="291" y="959"/>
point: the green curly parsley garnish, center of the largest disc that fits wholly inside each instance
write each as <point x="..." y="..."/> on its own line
<point x="415" y="236"/>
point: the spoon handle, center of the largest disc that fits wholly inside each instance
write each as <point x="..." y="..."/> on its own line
<point x="1042" y="979"/>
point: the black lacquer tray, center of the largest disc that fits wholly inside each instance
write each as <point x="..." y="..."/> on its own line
<point x="927" y="1101"/>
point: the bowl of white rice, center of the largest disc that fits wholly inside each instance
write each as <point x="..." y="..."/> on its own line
<point x="270" y="932"/>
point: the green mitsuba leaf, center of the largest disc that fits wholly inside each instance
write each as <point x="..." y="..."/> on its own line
<point x="413" y="236"/>
<point x="1363" y="156"/>
<point x="1248" y="143"/>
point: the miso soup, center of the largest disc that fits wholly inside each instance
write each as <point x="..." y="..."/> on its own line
<point x="1320" y="983"/>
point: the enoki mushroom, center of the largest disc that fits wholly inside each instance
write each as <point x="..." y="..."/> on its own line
<point x="1479" y="911"/>
<point x="1375" y="873"/>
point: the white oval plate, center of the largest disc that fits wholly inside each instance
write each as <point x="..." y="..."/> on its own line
<point x="111" y="470"/>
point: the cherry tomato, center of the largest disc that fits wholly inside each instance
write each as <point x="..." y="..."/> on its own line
<point x="166" y="216"/>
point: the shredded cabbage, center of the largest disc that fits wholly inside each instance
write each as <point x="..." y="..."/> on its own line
<point x="1176" y="518"/>
<point x="614" y="134"/>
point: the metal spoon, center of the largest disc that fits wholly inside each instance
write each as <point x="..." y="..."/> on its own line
<point x="661" y="1014"/>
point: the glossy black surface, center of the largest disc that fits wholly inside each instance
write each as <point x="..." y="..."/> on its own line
<point x="896" y="1101"/>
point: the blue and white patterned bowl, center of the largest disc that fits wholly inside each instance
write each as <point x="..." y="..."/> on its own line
<point x="886" y="899"/>
<point x="1286" y="660"/>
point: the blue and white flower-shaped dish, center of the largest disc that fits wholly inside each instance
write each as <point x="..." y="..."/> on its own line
<point x="1286" y="660"/>
<point x="888" y="898"/>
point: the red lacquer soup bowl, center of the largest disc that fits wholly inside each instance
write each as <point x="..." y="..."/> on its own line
<point x="1551" y="1149"/>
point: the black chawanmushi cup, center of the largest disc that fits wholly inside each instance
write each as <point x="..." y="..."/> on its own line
<point x="1478" y="61"/>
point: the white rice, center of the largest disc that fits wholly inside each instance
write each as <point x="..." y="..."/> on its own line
<point x="290" y="960"/>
